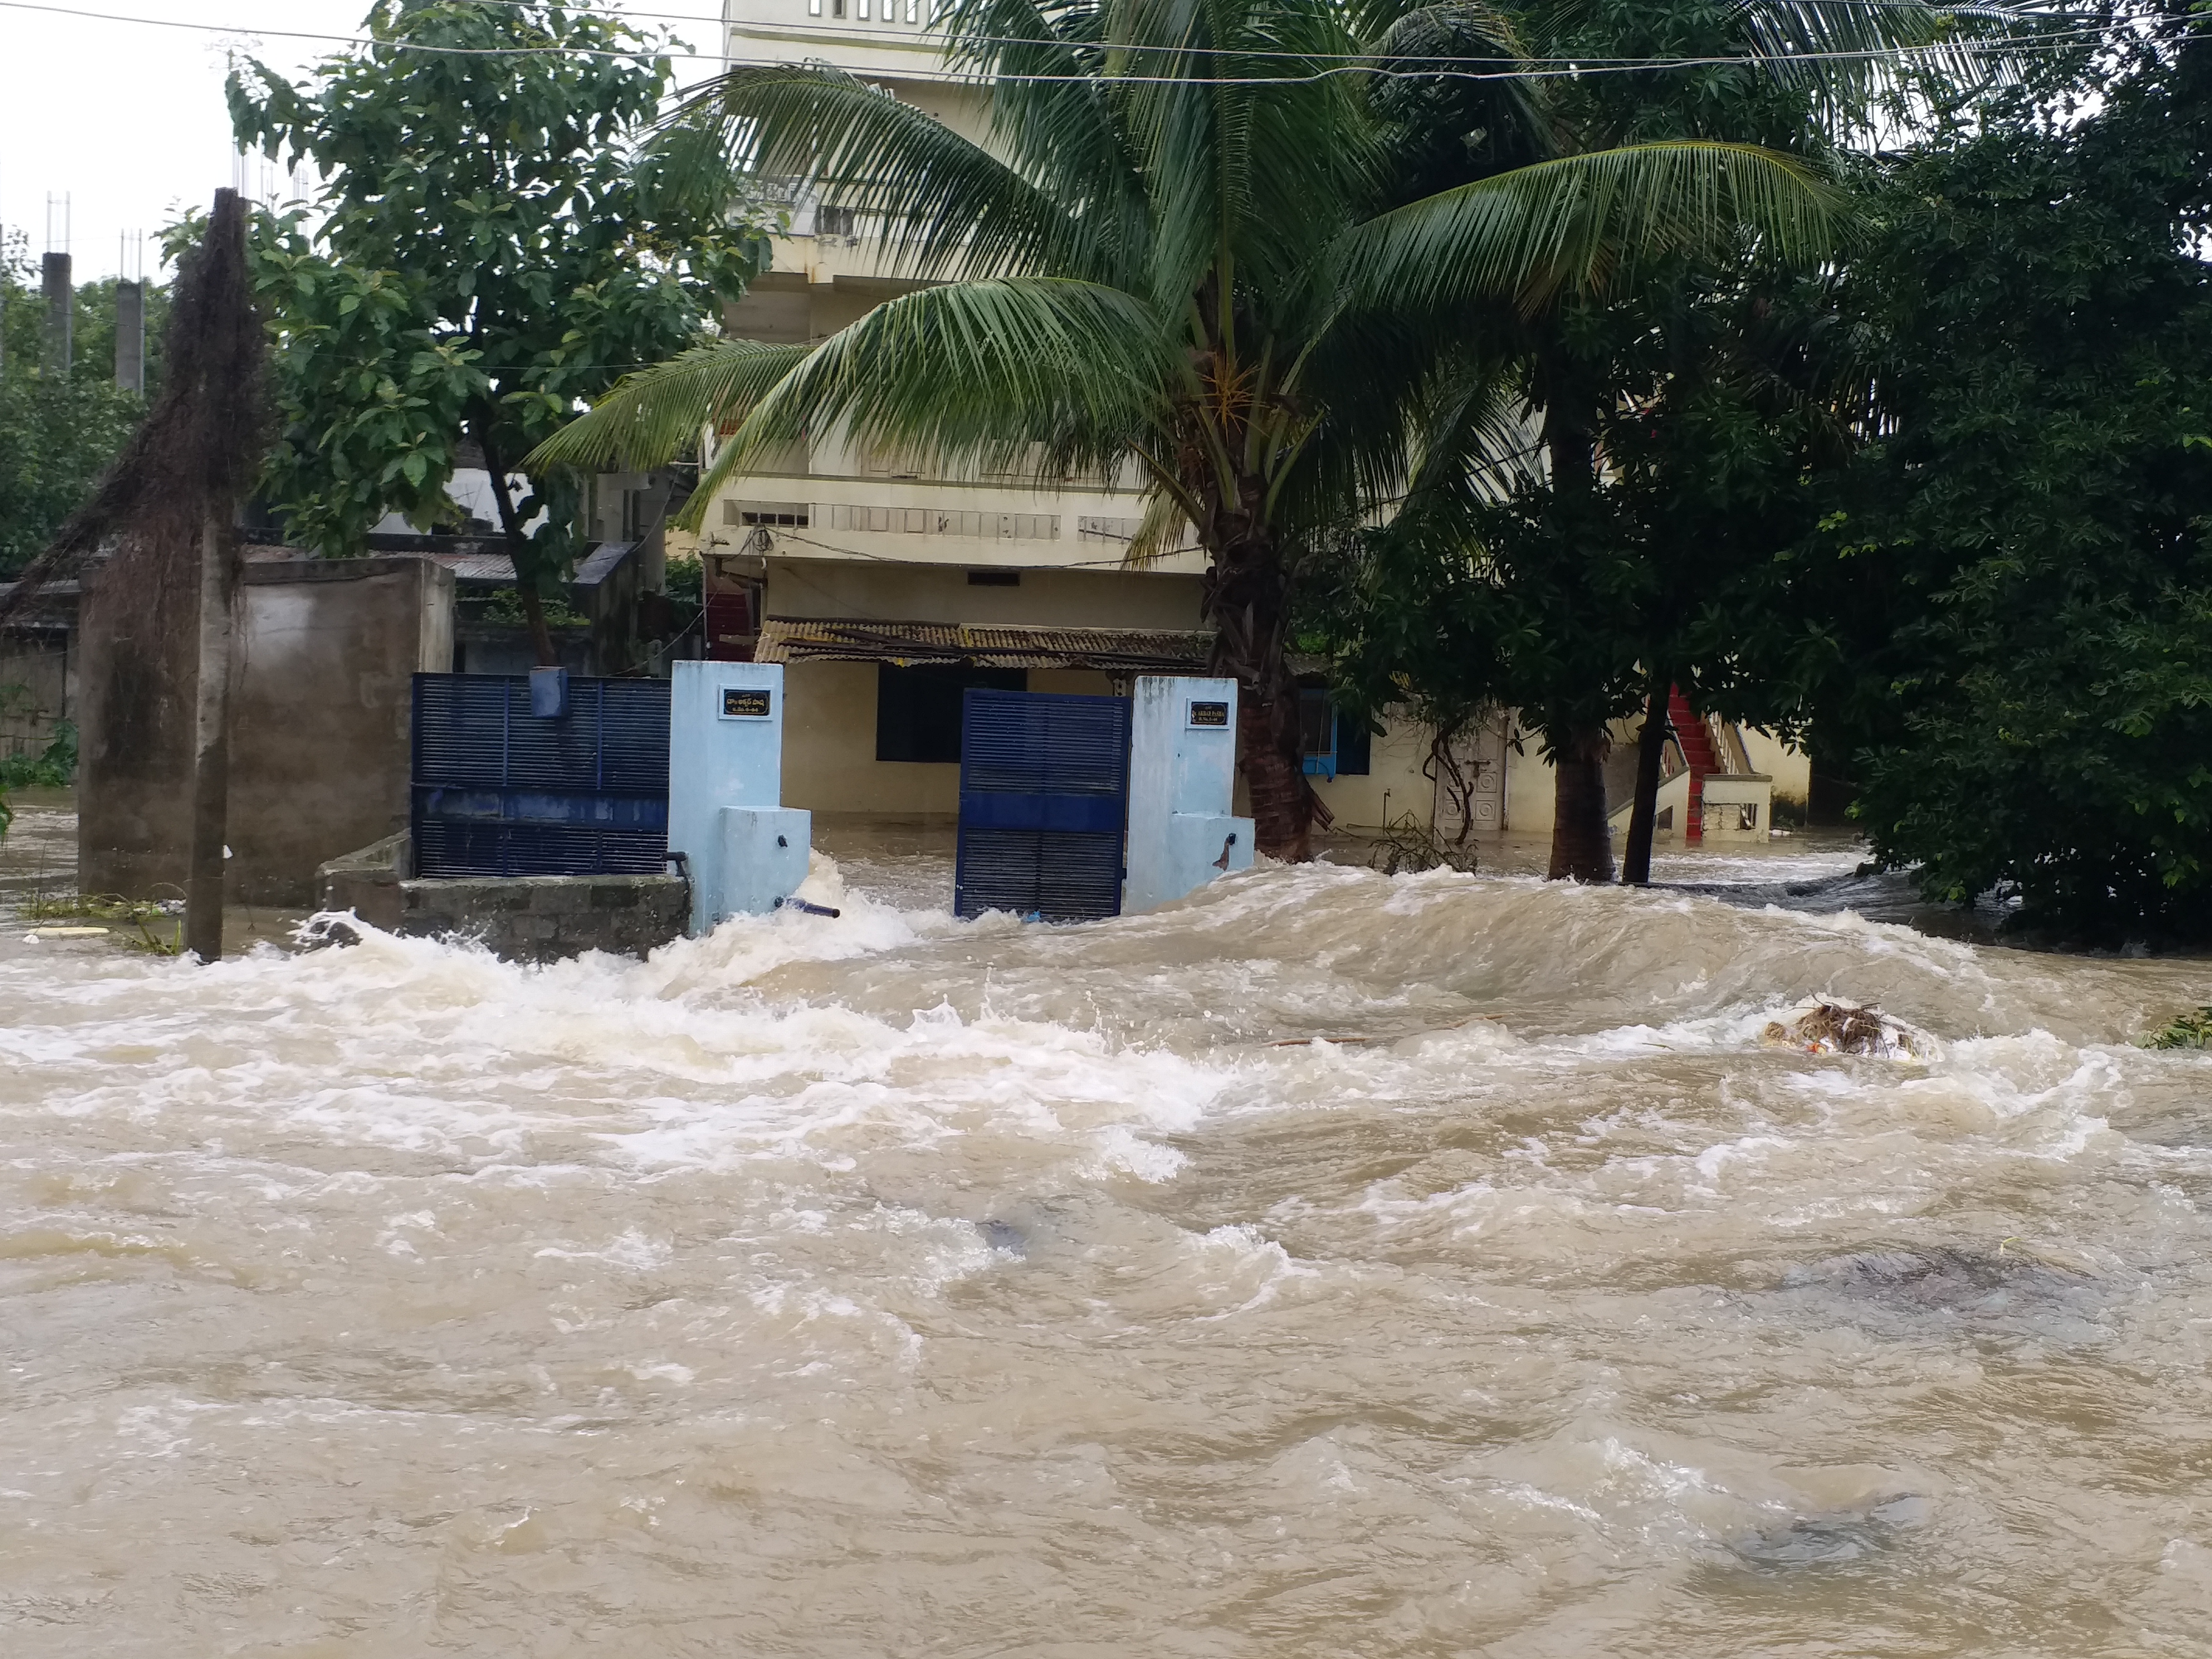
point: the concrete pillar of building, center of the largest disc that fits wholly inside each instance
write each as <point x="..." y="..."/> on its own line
<point x="61" y="314"/>
<point x="130" y="336"/>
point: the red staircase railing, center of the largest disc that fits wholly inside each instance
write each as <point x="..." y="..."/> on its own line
<point x="1697" y="754"/>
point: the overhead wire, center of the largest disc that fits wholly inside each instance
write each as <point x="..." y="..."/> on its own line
<point x="1423" y="68"/>
<point x="2022" y="14"/>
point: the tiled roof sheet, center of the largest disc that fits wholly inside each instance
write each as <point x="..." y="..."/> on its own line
<point x="988" y="645"/>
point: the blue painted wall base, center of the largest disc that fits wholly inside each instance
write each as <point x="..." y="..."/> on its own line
<point x="764" y="855"/>
<point x="1182" y="779"/>
<point x="725" y="786"/>
<point x="1203" y="844"/>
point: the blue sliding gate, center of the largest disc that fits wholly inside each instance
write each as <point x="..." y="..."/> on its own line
<point x="498" y="791"/>
<point x="1044" y="798"/>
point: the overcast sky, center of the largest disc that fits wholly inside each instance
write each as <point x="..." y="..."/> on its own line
<point x="127" y="119"/>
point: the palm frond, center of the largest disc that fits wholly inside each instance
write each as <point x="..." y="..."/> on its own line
<point x="1164" y="528"/>
<point x="1380" y="20"/>
<point x="1846" y="51"/>
<point x="942" y="204"/>
<point x="996" y="372"/>
<point x="651" y="418"/>
<point x="1052" y="115"/>
<point x="1577" y="221"/>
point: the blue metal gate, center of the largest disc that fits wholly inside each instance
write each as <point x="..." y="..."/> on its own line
<point x="1044" y="788"/>
<point x="498" y="791"/>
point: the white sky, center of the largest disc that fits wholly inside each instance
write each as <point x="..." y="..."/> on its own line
<point x="127" y="119"/>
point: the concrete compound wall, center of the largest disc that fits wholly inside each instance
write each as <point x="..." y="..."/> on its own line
<point x="323" y="654"/>
<point x="37" y="672"/>
<point x="326" y="652"/>
<point x="137" y="630"/>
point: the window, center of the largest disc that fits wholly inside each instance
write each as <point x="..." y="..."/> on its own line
<point x="788" y="515"/>
<point x="1335" y="743"/>
<point x="836" y="8"/>
<point x="862" y="13"/>
<point x="917" y="709"/>
<point x="947" y="522"/>
<point x="814" y="8"/>
<point x="835" y="220"/>
<point x="636" y="510"/>
<point x="1354" y="745"/>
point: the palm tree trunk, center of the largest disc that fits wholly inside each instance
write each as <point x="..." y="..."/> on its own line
<point x="1246" y="598"/>
<point x="1643" y="818"/>
<point x="1582" y="850"/>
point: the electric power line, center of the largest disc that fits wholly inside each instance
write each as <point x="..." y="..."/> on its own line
<point x="1430" y="68"/>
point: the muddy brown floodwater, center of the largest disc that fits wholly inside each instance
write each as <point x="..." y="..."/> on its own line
<point x="890" y="1285"/>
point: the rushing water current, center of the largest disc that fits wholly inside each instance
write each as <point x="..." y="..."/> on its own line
<point x="1330" y="1264"/>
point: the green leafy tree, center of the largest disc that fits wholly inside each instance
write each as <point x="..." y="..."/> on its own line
<point x="58" y="434"/>
<point x="1181" y="251"/>
<point x="491" y="244"/>
<point x="1666" y="415"/>
<point x="2007" y="621"/>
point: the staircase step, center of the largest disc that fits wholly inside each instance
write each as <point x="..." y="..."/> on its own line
<point x="1697" y="754"/>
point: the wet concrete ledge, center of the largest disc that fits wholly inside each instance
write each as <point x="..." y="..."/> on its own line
<point x="519" y="918"/>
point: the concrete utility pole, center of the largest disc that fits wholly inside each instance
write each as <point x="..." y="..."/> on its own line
<point x="61" y="313"/>
<point x="130" y="336"/>
<point x="211" y="740"/>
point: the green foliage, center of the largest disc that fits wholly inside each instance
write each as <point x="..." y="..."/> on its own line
<point x="2192" y="1030"/>
<point x="505" y="606"/>
<point x="53" y="767"/>
<point x="2007" y="617"/>
<point x="1676" y="409"/>
<point x="491" y="244"/>
<point x="59" y="434"/>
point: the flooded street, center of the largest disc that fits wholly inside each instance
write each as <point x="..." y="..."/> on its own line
<point x="1328" y="1264"/>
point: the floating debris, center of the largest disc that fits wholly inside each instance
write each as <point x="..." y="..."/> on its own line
<point x="324" y="929"/>
<point x="1823" y="1541"/>
<point x="2015" y="1290"/>
<point x="1847" y="1028"/>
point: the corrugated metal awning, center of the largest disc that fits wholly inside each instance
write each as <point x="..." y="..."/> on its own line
<point x="477" y="566"/>
<point x="988" y="645"/>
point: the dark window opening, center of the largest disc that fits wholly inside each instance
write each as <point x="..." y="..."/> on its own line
<point x="995" y="578"/>
<point x="917" y="709"/>
<point x="1316" y="730"/>
<point x="835" y="220"/>
<point x="1354" y="744"/>
<point x="1335" y="742"/>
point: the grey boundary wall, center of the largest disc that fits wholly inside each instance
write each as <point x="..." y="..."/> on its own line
<point x="517" y="918"/>
<point x="324" y="656"/>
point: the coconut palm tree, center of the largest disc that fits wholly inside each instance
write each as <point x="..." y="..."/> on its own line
<point x="1178" y="250"/>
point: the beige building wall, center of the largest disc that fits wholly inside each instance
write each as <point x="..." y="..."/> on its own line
<point x="1393" y="787"/>
<point x="1790" y="767"/>
<point x="830" y="762"/>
